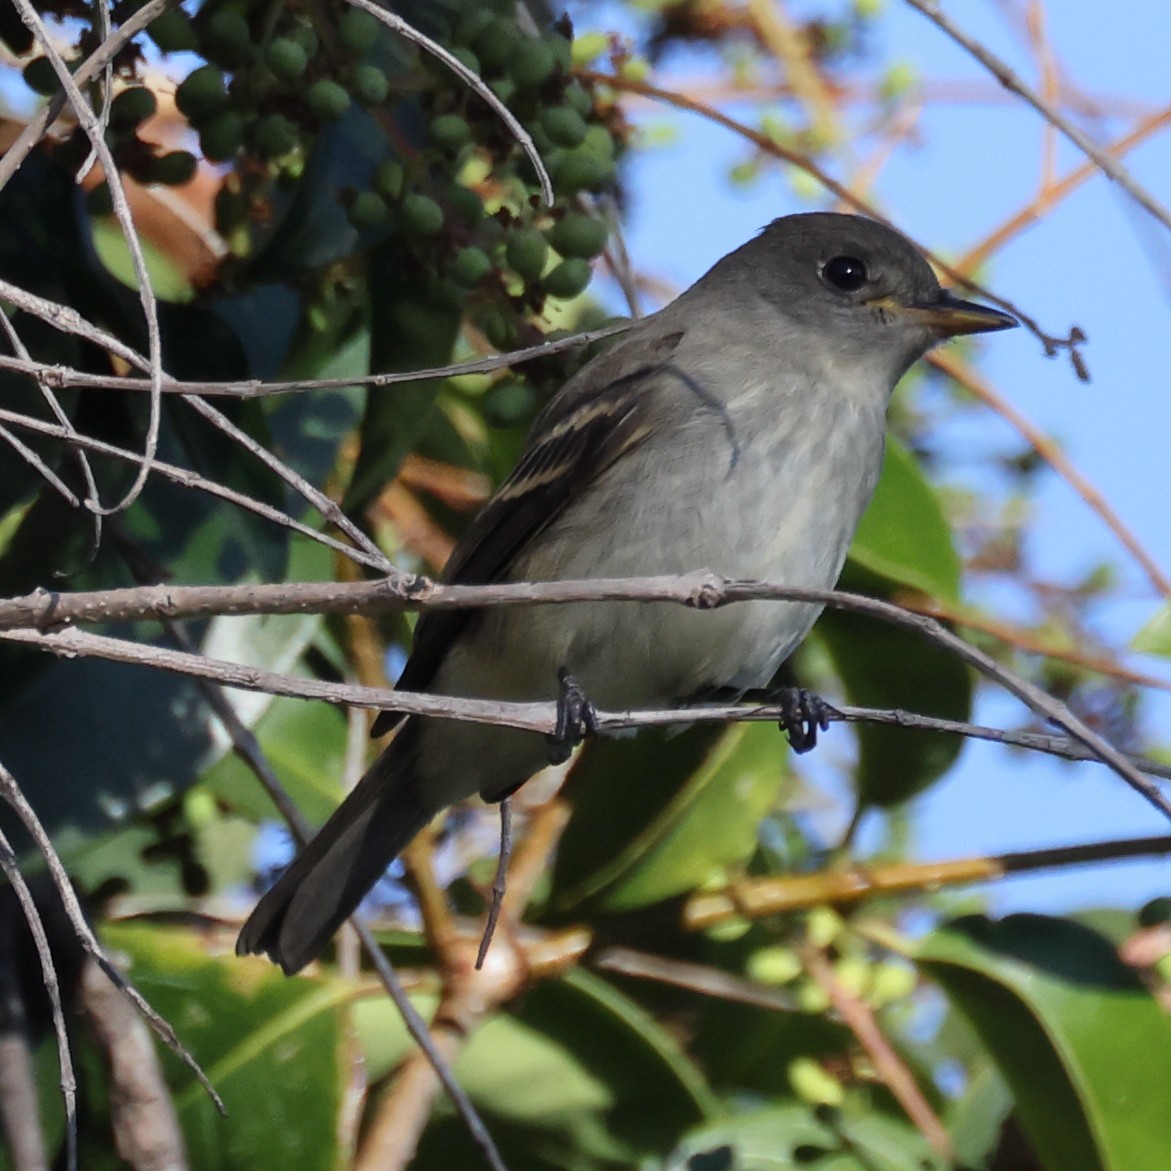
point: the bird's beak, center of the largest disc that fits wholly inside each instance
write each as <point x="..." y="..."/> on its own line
<point x="948" y="316"/>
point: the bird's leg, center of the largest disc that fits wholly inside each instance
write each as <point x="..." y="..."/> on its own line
<point x="576" y="718"/>
<point x="802" y="714"/>
<point x="500" y="882"/>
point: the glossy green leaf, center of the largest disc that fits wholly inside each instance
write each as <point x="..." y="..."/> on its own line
<point x="884" y="666"/>
<point x="407" y="333"/>
<point x="661" y="814"/>
<point x="575" y="1067"/>
<point x="306" y="744"/>
<point x="904" y="535"/>
<point x="274" y="1049"/>
<point x="792" y="1138"/>
<point x="1084" y="1047"/>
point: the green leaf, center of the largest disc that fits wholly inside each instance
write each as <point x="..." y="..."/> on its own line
<point x="691" y="803"/>
<point x="792" y="1138"/>
<point x="884" y="666"/>
<point x="306" y="744"/>
<point x="904" y="535"/>
<point x="1155" y="636"/>
<point x="575" y="1070"/>
<point x="407" y="333"/>
<point x="272" y="1047"/>
<point x="1084" y="1047"/>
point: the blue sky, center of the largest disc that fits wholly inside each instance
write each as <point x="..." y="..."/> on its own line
<point x="1099" y="262"/>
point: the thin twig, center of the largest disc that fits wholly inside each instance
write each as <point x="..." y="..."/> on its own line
<point x="848" y="196"/>
<point x="95" y="131"/>
<point x="473" y="81"/>
<point x="703" y="590"/>
<point x="10" y="791"/>
<point x="190" y="479"/>
<point x="255" y="388"/>
<point x="86" y="72"/>
<point x="889" y="1067"/>
<point x="36" y="928"/>
<point x="1052" y="454"/>
<point x="1110" y="167"/>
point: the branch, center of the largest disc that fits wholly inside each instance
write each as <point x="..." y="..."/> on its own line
<point x="10" y="791"/>
<point x="1110" y="167"/>
<point x="702" y="590"/>
<point x="255" y="388"/>
<point x="760" y="897"/>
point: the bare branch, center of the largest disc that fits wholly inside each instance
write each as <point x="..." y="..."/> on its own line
<point x="10" y="791"/>
<point x="474" y="81"/>
<point x="1110" y="167"/>
<point x="191" y="479"/>
<point x="255" y="388"/>
<point x="703" y="590"/>
<point x="36" y="927"/>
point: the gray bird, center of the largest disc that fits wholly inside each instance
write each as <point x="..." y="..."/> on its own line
<point x="740" y="429"/>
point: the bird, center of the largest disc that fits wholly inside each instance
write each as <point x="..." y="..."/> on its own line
<point x="739" y="429"/>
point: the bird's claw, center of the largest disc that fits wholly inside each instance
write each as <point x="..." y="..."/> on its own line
<point x="802" y="714"/>
<point x="576" y="719"/>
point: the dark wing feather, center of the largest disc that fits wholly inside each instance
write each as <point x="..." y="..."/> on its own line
<point x="596" y="419"/>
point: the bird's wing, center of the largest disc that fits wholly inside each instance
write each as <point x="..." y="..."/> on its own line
<point x="596" y="419"/>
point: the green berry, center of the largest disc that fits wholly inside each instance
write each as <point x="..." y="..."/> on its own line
<point x="327" y="99"/>
<point x="132" y="106"/>
<point x="420" y="215"/>
<point x="582" y="170"/>
<point x="174" y="168"/>
<point x="201" y="93"/>
<point x="450" y="131"/>
<point x="305" y="36"/>
<point x="531" y="64"/>
<point x="562" y="50"/>
<point x="222" y="136"/>
<point x="496" y="42"/>
<point x="275" y="135"/>
<point x="467" y="58"/>
<point x="578" y="235"/>
<point x="470" y="24"/>
<point x="598" y="141"/>
<point x="370" y="86"/>
<point x="470" y="267"/>
<point x="568" y="279"/>
<point x="389" y="179"/>
<point x="526" y="253"/>
<point x="466" y="204"/>
<point x="40" y="77"/>
<point x="368" y="210"/>
<point x="173" y="32"/>
<point x="229" y="38"/>
<point x="499" y="330"/>
<point x="504" y="88"/>
<point x="509" y="402"/>
<point x="286" y="59"/>
<point x="358" y="30"/>
<point x="578" y="98"/>
<point x="564" y="125"/>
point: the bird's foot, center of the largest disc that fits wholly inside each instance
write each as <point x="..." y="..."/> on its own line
<point x="576" y="719"/>
<point x="802" y="714"/>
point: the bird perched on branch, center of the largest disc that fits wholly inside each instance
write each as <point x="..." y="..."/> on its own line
<point x="740" y="429"/>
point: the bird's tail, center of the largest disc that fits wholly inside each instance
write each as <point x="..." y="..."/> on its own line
<point x="294" y="921"/>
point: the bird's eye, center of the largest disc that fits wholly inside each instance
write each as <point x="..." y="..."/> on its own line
<point x="846" y="273"/>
